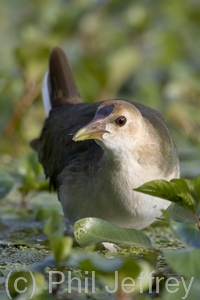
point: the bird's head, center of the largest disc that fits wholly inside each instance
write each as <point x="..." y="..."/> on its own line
<point x="116" y="124"/>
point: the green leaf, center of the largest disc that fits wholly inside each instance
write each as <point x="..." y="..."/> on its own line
<point x="129" y="270"/>
<point x="196" y="183"/>
<point x="61" y="247"/>
<point x="177" y="191"/>
<point x="43" y="213"/>
<point x="96" y="262"/>
<point x="6" y="185"/>
<point x="93" y="230"/>
<point x="30" y="174"/>
<point x="30" y="282"/>
<point x="185" y="262"/>
<point x="112" y="272"/>
<point x="187" y="232"/>
<point x="179" y="213"/>
<point x="183" y="289"/>
<point x="54" y="227"/>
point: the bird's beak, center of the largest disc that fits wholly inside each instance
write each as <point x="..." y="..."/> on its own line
<point x="93" y="130"/>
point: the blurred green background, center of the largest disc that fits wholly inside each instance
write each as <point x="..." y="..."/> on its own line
<point x="146" y="51"/>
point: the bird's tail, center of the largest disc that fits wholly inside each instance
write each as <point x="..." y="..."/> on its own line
<point x="59" y="84"/>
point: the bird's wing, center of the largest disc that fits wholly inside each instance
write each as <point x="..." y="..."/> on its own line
<point x="55" y="146"/>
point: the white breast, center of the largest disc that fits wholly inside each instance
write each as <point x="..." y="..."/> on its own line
<point x="108" y="194"/>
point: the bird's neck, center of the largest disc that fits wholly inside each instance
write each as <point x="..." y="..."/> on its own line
<point x="130" y="162"/>
<point x="121" y="162"/>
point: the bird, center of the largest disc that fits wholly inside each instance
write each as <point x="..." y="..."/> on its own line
<point x="96" y="154"/>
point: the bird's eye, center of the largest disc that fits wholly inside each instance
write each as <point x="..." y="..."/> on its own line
<point x="121" y="121"/>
